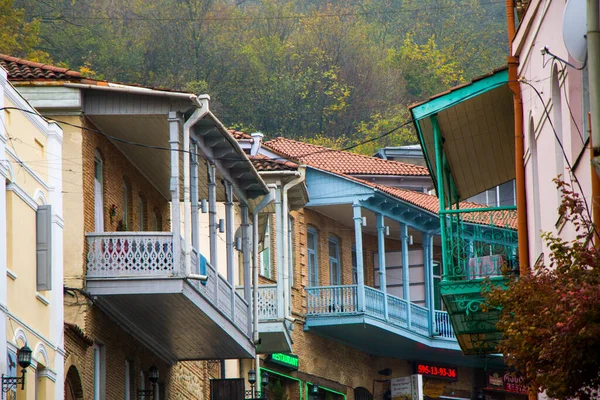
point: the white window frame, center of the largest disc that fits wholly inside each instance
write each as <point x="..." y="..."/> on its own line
<point x="335" y="267"/>
<point x="266" y="264"/>
<point x="140" y="214"/>
<point x="313" y="270"/>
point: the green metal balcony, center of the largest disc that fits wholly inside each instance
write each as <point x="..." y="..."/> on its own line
<point x="467" y="135"/>
<point x="480" y="250"/>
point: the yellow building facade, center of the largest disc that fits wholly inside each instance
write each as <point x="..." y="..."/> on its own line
<point x="31" y="255"/>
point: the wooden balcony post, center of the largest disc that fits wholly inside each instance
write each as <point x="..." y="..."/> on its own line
<point x="194" y="198"/>
<point x="246" y="260"/>
<point x="229" y="242"/>
<point x="212" y="221"/>
<point x="381" y="261"/>
<point x="360" y="273"/>
<point x="174" y="130"/>
<point x="279" y="263"/>
<point x="405" y="270"/>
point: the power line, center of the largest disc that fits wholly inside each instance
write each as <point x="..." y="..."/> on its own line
<point x="62" y="17"/>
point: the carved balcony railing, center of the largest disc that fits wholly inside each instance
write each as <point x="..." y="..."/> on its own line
<point x="338" y="301"/>
<point x="151" y="255"/>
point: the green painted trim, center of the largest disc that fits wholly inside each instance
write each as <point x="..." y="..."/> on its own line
<point x="285" y="376"/>
<point x="437" y="140"/>
<point x="324" y="388"/>
<point x="483" y="209"/>
<point x="459" y="95"/>
<point x="425" y="153"/>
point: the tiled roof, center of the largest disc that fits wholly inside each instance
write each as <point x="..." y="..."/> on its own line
<point x="19" y="69"/>
<point x="262" y="164"/>
<point x="339" y="161"/>
<point x="79" y="333"/>
<point x="237" y="135"/>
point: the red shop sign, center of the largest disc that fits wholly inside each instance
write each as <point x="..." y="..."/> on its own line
<point x="437" y="371"/>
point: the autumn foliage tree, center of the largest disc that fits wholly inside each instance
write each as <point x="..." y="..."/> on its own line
<point x="551" y="318"/>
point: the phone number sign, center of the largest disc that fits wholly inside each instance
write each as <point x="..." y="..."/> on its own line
<point x="436" y="371"/>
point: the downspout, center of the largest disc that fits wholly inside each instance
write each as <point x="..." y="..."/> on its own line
<point x="264" y="202"/>
<point x="515" y="87"/>
<point x="202" y="102"/>
<point x="593" y="43"/>
<point x="286" y="248"/>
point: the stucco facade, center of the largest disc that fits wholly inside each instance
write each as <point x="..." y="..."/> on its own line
<point x="31" y="288"/>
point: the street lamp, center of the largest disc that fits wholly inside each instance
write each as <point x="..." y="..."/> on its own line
<point x="254" y="394"/>
<point x="153" y="377"/>
<point x="24" y="361"/>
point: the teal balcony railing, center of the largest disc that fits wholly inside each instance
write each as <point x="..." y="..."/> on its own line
<point x="342" y="300"/>
<point x="479" y="243"/>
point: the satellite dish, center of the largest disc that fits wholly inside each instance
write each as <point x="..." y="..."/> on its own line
<point x="574" y="29"/>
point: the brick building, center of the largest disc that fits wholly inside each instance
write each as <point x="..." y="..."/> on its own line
<point x="333" y="293"/>
<point x="144" y="284"/>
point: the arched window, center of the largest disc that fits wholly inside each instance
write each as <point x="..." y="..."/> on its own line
<point x="536" y="186"/>
<point x="361" y="393"/>
<point x="557" y="122"/>
<point x="98" y="193"/>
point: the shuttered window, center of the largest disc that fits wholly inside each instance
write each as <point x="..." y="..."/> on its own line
<point x="313" y="262"/>
<point x="43" y="242"/>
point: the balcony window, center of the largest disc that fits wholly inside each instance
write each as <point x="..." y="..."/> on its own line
<point x="125" y="205"/>
<point x="266" y="268"/>
<point x="313" y="261"/>
<point x="292" y="249"/>
<point x="334" y="261"/>
<point x="437" y="278"/>
<point x="140" y="214"/>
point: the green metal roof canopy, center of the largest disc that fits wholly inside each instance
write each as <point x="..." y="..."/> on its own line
<point x="477" y="126"/>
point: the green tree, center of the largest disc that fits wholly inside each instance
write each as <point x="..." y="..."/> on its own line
<point x="551" y="318"/>
<point x="19" y="37"/>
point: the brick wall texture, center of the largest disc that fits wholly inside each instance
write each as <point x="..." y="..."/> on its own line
<point x="184" y="380"/>
<point x="328" y="362"/>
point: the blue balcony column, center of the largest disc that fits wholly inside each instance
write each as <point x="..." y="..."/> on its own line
<point x="381" y="260"/>
<point x="405" y="269"/>
<point x="360" y="272"/>
<point x="279" y="238"/>
<point x="229" y="240"/>
<point x="429" y="283"/>
<point x="174" y="130"/>
<point x="194" y="198"/>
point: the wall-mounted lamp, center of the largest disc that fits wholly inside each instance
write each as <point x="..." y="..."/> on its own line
<point x="24" y="361"/>
<point x="364" y="222"/>
<point x="153" y="377"/>
<point x="387" y="230"/>
<point x="204" y="206"/>
<point x="221" y="225"/>
<point x="314" y="391"/>
<point x="410" y="240"/>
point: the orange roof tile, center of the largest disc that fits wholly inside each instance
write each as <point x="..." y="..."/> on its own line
<point x="339" y="161"/>
<point x="19" y="69"/>
<point x="237" y="135"/>
<point x="263" y="163"/>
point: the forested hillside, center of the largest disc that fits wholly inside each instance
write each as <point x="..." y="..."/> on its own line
<point x="338" y="72"/>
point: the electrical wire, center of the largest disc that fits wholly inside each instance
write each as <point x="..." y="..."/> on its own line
<point x="570" y="167"/>
<point x="546" y="50"/>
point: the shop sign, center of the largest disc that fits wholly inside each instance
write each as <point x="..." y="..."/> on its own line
<point x="505" y="382"/>
<point x="436" y="371"/>
<point x="289" y="361"/>
<point x="407" y="388"/>
<point x="434" y="388"/>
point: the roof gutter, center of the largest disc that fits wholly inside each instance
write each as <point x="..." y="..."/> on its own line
<point x="136" y="90"/>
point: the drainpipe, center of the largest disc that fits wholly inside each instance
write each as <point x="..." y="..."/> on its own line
<point x="265" y="201"/>
<point x="199" y="113"/>
<point x="515" y="87"/>
<point x="593" y="43"/>
<point x="286" y="247"/>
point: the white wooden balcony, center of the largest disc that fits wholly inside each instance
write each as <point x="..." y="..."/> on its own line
<point x="139" y="279"/>
<point x="275" y="337"/>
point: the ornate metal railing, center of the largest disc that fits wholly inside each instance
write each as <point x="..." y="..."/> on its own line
<point x="324" y="301"/>
<point x="443" y="327"/>
<point x="122" y="254"/>
<point x="479" y="244"/>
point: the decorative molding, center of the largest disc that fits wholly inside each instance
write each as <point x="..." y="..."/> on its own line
<point x="58" y="220"/>
<point x="15" y="97"/>
<point x="29" y="170"/>
<point x="42" y="299"/>
<point x="19" y="335"/>
<point x="35" y="333"/>
<point x="39" y="195"/>
<point x="18" y="190"/>
<point x="41" y="349"/>
<point x="11" y="274"/>
<point x="47" y="373"/>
